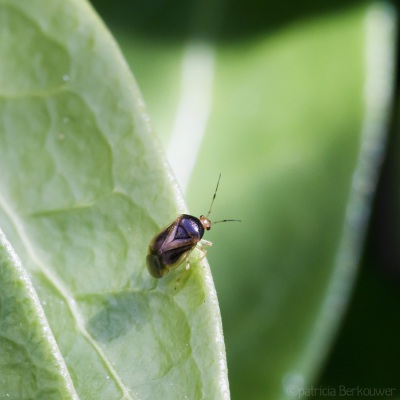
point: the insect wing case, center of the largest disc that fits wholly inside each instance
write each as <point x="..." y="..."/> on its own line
<point x="172" y="245"/>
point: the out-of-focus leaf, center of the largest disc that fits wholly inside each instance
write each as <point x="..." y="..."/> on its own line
<point x="299" y="158"/>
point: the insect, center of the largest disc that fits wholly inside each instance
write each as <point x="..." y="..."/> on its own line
<point x="170" y="247"/>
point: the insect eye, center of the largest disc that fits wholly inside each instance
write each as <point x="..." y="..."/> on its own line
<point x="205" y="222"/>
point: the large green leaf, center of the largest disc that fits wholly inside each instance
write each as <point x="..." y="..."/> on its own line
<point x="83" y="190"/>
<point x="295" y="121"/>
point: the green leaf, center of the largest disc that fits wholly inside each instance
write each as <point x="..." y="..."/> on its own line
<point x="83" y="190"/>
<point x="296" y="121"/>
<point x="31" y="365"/>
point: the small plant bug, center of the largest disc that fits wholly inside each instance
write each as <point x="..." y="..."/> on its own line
<point x="170" y="247"/>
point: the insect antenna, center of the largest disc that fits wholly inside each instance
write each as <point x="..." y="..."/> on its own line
<point x="212" y="202"/>
<point x="215" y="194"/>
<point x="227" y="220"/>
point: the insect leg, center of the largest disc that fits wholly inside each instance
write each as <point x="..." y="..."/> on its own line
<point x="202" y="247"/>
<point x="205" y="243"/>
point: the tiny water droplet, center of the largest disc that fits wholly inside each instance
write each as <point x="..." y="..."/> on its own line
<point x="107" y="377"/>
<point x="65" y="78"/>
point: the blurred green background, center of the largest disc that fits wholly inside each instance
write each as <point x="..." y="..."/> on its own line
<point x="296" y="105"/>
